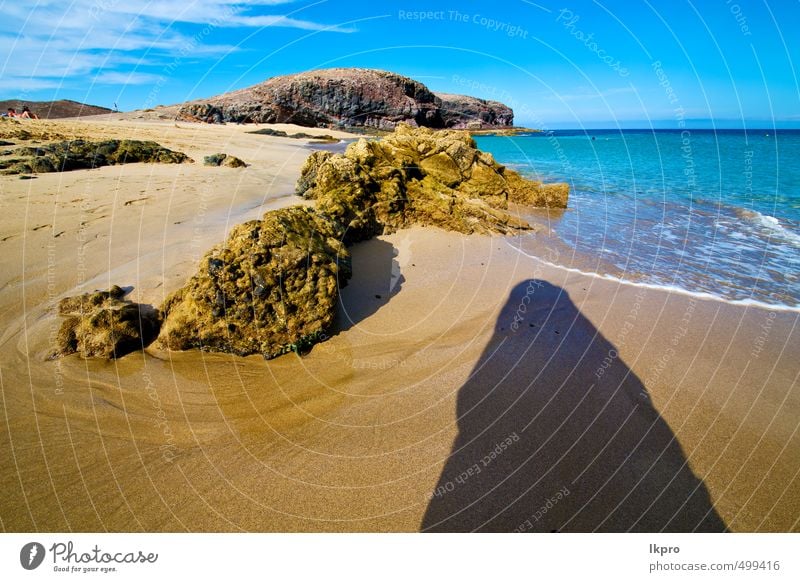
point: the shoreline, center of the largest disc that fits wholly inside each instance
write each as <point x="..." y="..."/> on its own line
<point x="444" y="349"/>
<point x="581" y="263"/>
<point x="737" y="243"/>
<point x="702" y="295"/>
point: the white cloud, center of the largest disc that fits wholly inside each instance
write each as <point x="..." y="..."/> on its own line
<point x="120" y="78"/>
<point x="17" y="87"/>
<point x="49" y="43"/>
<point x="267" y="20"/>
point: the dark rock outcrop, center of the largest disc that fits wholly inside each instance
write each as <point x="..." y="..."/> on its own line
<point x="464" y="112"/>
<point x="271" y="288"/>
<point x="298" y="135"/>
<point x="104" y="325"/>
<point x="347" y="98"/>
<point x="82" y="154"/>
<point x="420" y="176"/>
<point x="223" y="160"/>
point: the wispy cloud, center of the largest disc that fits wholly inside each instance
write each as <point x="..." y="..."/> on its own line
<point x="51" y="43"/>
<point x="270" y="20"/>
<point x="119" y="78"/>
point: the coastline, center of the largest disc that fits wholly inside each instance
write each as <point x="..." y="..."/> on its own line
<point x="358" y="434"/>
<point x="655" y="214"/>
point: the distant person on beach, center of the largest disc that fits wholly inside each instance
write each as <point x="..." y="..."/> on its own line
<point x="27" y="114"/>
<point x="11" y="112"/>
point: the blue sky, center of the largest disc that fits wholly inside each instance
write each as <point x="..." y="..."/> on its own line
<point x="570" y="63"/>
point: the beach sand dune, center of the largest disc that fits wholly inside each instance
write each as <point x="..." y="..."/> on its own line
<point x="643" y="409"/>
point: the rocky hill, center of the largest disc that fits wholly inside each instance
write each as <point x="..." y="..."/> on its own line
<point x="464" y="112"/>
<point x="55" y="109"/>
<point x="348" y="98"/>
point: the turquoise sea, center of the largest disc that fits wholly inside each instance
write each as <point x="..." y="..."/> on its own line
<point x="702" y="211"/>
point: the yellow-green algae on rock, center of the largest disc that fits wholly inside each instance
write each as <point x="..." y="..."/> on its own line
<point x="273" y="285"/>
<point x="104" y="325"/>
<point x="421" y="176"/>
<point x="79" y="154"/>
<point x="270" y="288"/>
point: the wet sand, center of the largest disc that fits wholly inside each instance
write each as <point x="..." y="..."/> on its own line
<point x="642" y="409"/>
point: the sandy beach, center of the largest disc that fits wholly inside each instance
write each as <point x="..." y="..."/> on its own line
<point x="470" y="385"/>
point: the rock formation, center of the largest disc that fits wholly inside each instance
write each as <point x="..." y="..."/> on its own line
<point x="82" y="154"/>
<point x="420" y="176"/>
<point x="104" y="325"/>
<point x="223" y="160"/>
<point x="347" y="98"/>
<point x="297" y="135"/>
<point x="464" y="112"/>
<point x="271" y="288"/>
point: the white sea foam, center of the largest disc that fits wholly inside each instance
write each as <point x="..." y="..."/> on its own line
<point x="772" y="225"/>
<point x="668" y="288"/>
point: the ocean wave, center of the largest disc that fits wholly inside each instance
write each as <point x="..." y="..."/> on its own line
<point x="633" y="207"/>
<point x="770" y="224"/>
<point x="747" y="302"/>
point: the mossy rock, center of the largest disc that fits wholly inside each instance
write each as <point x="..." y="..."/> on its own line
<point x="420" y="176"/>
<point x="299" y="135"/>
<point x="81" y="154"/>
<point x="272" y="285"/>
<point x="532" y="193"/>
<point x="214" y="159"/>
<point x="223" y="160"/>
<point x="104" y="325"/>
<point x="233" y="162"/>
<point x="308" y="173"/>
<point x="270" y="131"/>
<point x="443" y="168"/>
<point x="484" y="180"/>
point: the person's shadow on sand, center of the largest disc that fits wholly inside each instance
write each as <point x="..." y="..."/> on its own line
<point x="556" y="433"/>
<point x="376" y="279"/>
